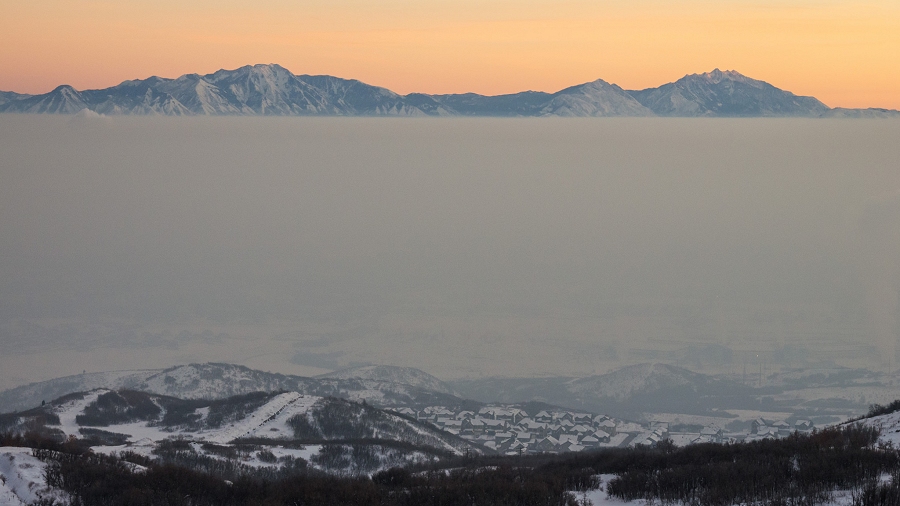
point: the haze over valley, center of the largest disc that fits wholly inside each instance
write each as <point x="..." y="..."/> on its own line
<point x="463" y="247"/>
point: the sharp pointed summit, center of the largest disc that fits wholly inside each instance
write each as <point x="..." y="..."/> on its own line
<point x="64" y="99"/>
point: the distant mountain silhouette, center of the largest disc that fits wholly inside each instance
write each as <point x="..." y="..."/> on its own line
<point x="272" y="90"/>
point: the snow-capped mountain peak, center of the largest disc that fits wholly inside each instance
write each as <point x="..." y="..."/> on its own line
<point x="716" y="76"/>
<point x="270" y="89"/>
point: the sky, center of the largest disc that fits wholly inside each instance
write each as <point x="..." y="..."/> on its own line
<point x="464" y="247"/>
<point x="843" y="52"/>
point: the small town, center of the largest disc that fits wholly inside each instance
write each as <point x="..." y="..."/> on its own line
<point x="512" y="431"/>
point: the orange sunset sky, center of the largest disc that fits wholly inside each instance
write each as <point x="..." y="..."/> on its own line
<point x="844" y="52"/>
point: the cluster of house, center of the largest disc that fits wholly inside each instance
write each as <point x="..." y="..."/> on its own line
<point x="768" y="429"/>
<point x="759" y="429"/>
<point x="512" y="431"/>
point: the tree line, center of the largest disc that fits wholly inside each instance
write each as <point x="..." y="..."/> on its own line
<point x="801" y="470"/>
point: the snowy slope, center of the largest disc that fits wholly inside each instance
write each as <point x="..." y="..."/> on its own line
<point x="888" y="424"/>
<point x="22" y="479"/>
<point x="381" y="385"/>
<point x="248" y="426"/>
<point x="627" y="381"/>
<point x="69" y="411"/>
<point x="392" y="374"/>
<point x="276" y="425"/>
<point x="217" y="381"/>
<point x="138" y="421"/>
<point x="31" y="395"/>
<point x="597" y="98"/>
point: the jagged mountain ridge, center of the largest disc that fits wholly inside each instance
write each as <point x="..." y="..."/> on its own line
<point x="273" y="90"/>
<point x="249" y="90"/>
<point x="725" y="93"/>
<point x="218" y="381"/>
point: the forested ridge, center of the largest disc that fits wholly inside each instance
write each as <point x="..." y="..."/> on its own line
<point x="802" y="470"/>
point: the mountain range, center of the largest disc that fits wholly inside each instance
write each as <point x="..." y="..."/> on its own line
<point x="272" y="90"/>
<point x="625" y="392"/>
<point x="631" y="392"/>
<point x="381" y="385"/>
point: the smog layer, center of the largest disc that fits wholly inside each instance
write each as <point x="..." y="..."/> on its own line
<point x="463" y="247"/>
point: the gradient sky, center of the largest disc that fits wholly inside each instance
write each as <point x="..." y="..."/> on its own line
<point x="844" y="52"/>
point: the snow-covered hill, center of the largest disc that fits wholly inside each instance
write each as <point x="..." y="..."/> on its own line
<point x="630" y="381"/>
<point x="392" y="374"/>
<point x="22" y="479"/>
<point x="271" y="432"/>
<point x="138" y="421"/>
<point x="32" y="394"/>
<point x="889" y="426"/>
<point x="389" y="387"/>
<point x="628" y="392"/>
